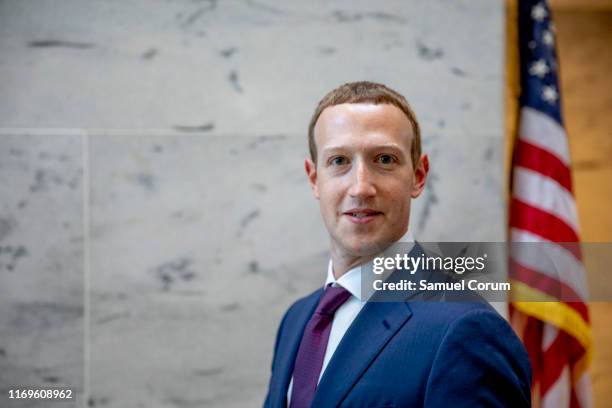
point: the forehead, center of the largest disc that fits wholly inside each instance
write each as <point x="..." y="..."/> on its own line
<point x="363" y="123"/>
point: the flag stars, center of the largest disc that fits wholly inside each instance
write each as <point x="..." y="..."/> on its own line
<point x="548" y="38"/>
<point x="539" y="68"/>
<point x="532" y="44"/>
<point x="550" y="94"/>
<point x="538" y="12"/>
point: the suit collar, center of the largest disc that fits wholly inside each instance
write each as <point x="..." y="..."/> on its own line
<point x="364" y="340"/>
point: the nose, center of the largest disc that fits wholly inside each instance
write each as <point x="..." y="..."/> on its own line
<point x="362" y="182"/>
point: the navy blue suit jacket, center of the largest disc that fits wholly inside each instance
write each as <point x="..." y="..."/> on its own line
<point x="411" y="354"/>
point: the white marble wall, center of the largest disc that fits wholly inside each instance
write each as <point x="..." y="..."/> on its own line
<point x="41" y="264"/>
<point x="151" y="168"/>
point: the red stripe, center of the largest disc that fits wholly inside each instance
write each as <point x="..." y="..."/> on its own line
<point x="542" y="161"/>
<point x="548" y="285"/>
<point x="573" y="248"/>
<point x="575" y="351"/>
<point x="564" y="350"/>
<point x="539" y="222"/>
<point x="574" y="403"/>
<point x="555" y="359"/>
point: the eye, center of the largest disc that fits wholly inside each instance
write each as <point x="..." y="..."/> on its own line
<point x="386" y="159"/>
<point x="338" y="161"/>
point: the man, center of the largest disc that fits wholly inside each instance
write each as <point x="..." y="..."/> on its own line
<point x="334" y="348"/>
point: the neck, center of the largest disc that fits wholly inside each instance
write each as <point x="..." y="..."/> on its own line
<point x="343" y="262"/>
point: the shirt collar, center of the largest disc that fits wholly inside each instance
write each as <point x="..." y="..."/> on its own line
<point x="351" y="280"/>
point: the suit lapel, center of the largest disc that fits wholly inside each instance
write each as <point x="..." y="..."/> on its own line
<point x="366" y="337"/>
<point x="288" y="347"/>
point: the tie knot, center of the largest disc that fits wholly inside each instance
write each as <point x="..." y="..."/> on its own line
<point x="332" y="299"/>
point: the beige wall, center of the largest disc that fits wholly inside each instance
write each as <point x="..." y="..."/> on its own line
<point x="583" y="38"/>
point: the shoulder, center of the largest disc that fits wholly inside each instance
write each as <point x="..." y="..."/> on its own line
<point x="477" y="322"/>
<point x="478" y="342"/>
<point x="482" y="325"/>
<point x="443" y="314"/>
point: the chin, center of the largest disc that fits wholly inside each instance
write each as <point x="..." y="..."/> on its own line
<point x="365" y="247"/>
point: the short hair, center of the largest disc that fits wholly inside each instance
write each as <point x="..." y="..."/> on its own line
<point x="366" y="92"/>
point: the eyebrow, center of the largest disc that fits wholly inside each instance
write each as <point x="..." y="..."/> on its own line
<point x="390" y="146"/>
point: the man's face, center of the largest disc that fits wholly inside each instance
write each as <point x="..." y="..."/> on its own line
<point x="364" y="177"/>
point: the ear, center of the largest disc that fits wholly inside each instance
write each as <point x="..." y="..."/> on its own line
<point x="311" y="173"/>
<point x="420" y="176"/>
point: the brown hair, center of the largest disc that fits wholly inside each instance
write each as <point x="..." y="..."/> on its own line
<point x="366" y="92"/>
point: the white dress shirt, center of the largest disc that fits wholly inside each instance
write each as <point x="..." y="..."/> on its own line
<point x="347" y="312"/>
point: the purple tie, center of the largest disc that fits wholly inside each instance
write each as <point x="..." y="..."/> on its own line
<point x="309" y="360"/>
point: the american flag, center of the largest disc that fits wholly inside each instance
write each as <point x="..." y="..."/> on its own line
<point x="557" y="332"/>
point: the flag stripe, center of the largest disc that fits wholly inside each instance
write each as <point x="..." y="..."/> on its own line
<point x="563" y="351"/>
<point x="580" y="370"/>
<point x="549" y="286"/>
<point x="555" y="394"/>
<point x="555" y="262"/>
<point x="573" y="248"/>
<point x="582" y="389"/>
<point x="549" y="335"/>
<point x="540" y="130"/>
<point x="542" y="161"/>
<point x="540" y="222"/>
<point x="574" y="402"/>
<point x="546" y="194"/>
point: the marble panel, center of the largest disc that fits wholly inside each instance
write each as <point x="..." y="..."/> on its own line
<point x="465" y="195"/>
<point x="199" y="243"/>
<point x="245" y="66"/>
<point x="41" y="266"/>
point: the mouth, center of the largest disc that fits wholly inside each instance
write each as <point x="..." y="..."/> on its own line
<point x="362" y="215"/>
